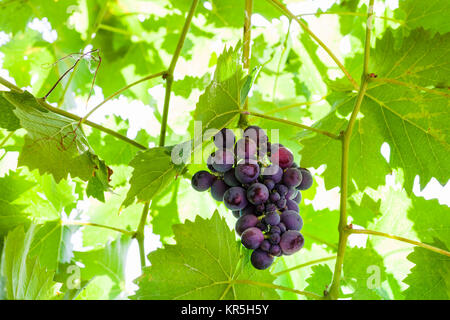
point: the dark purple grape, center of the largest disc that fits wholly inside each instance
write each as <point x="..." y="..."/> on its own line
<point x="307" y="180"/>
<point x="274" y="196"/>
<point x="230" y="178"/>
<point x="265" y="245"/>
<point x="260" y="208"/>
<point x="275" y="229"/>
<point x="202" y="180"/>
<point x="282" y="157"/>
<point x="245" y="149"/>
<point x="257" y="193"/>
<point x="248" y="172"/>
<point x="256" y="134"/>
<point x="298" y="197"/>
<point x="236" y="213"/>
<point x="291" y="194"/>
<point x="291" y="242"/>
<point x="281" y="204"/>
<point x="282" y="189"/>
<point x="249" y="209"/>
<point x="272" y="218"/>
<point x="252" y="238"/>
<point x="261" y="260"/>
<point x="292" y="220"/>
<point x="235" y="198"/>
<point x="262" y="226"/>
<point x="292" y="205"/>
<point x="270" y="184"/>
<point x="209" y="162"/>
<point x="271" y="207"/>
<point x="275" y="250"/>
<point x="273" y="172"/>
<point x="218" y="189"/>
<point x="224" y="139"/>
<point x="223" y="160"/>
<point x="282" y="227"/>
<point x="274" y="238"/>
<point x="295" y="165"/>
<point x="292" y="177"/>
<point x="245" y="222"/>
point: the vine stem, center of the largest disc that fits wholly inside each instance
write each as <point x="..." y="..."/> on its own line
<point x="304" y="265"/>
<point x="72" y="116"/>
<point x="292" y="123"/>
<point x="386" y="235"/>
<point x="288" y="13"/>
<point x="411" y="85"/>
<point x="2" y="143"/>
<point x="274" y="286"/>
<point x="91" y="224"/>
<point x="346" y="137"/>
<point x="243" y="121"/>
<point x="139" y="235"/>
<point x="152" y="76"/>
<point x="294" y="105"/>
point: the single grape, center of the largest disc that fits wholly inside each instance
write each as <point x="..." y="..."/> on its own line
<point x="236" y="213"/>
<point x="223" y="160"/>
<point x="202" y="180"/>
<point x="282" y="189"/>
<point x="272" y="218"/>
<point x="265" y="245"/>
<point x="292" y="177"/>
<point x="271" y="207"/>
<point x="298" y="197"/>
<point x="260" y="259"/>
<point x="257" y="193"/>
<point x="281" y="204"/>
<point x="295" y="165"/>
<point x="282" y="157"/>
<point x="291" y="194"/>
<point x="224" y="139"/>
<point x="245" y="149"/>
<point x="248" y="172"/>
<point x="245" y="222"/>
<point x="291" y="242"/>
<point x="262" y="226"/>
<point x="218" y="189"/>
<point x="270" y="184"/>
<point x="275" y="229"/>
<point x="275" y="250"/>
<point x="260" y="208"/>
<point x="273" y="172"/>
<point x="292" y="205"/>
<point x="235" y="198"/>
<point x="292" y="220"/>
<point x="230" y="178"/>
<point x="274" y="196"/>
<point x="307" y="180"/>
<point x="249" y="209"/>
<point x="252" y="238"/>
<point x="274" y="238"/>
<point x="282" y="227"/>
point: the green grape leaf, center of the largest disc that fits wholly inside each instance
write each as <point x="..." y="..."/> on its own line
<point x="185" y="86"/>
<point x="153" y="172"/>
<point x="8" y="119"/>
<point x="430" y="15"/>
<point x="205" y="263"/>
<point x="221" y="102"/>
<point x="365" y="212"/>
<point x="429" y="278"/>
<point x="320" y="279"/>
<point x="25" y="278"/>
<point x="54" y="144"/>
<point x="319" y="226"/>
<point x="109" y="260"/>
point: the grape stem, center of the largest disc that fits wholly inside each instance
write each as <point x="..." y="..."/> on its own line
<point x="139" y="234"/>
<point x="292" y="123"/>
<point x="345" y="138"/>
<point x="72" y="116"/>
<point x="243" y="121"/>
<point x="91" y="224"/>
<point x="386" y="235"/>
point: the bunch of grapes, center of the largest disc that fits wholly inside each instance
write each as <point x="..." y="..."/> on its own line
<point x="261" y="184"/>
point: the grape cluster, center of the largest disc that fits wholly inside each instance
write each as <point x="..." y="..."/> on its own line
<point x="261" y="184"/>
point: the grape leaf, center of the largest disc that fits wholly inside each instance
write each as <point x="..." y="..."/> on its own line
<point x="8" y="119"/>
<point x="109" y="260"/>
<point x="319" y="226"/>
<point x="25" y="278"/>
<point x="320" y="279"/>
<point x="429" y="278"/>
<point x="204" y="263"/>
<point x="365" y="212"/>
